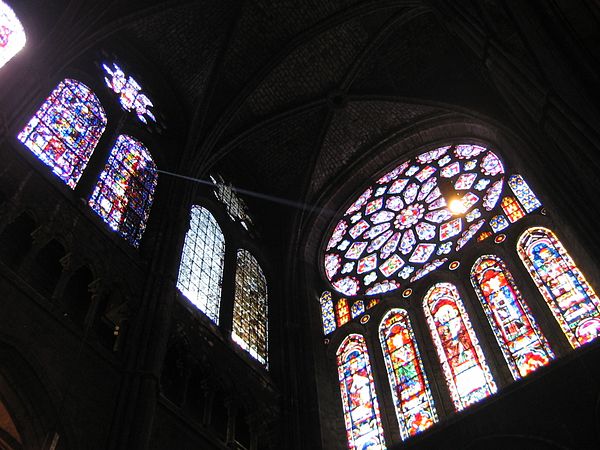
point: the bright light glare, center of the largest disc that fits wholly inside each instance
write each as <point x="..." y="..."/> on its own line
<point x="456" y="206"/>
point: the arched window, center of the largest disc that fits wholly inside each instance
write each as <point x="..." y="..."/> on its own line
<point x="571" y="299"/>
<point x="467" y="374"/>
<point x="201" y="268"/>
<point x="342" y="311"/>
<point x="359" y="400"/>
<point x="525" y="195"/>
<point x="412" y="398"/>
<point x="327" y="314"/>
<point x="125" y="189"/>
<point x="524" y="346"/>
<point x="64" y="132"/>
<point x="358" y="307"/>
<point x="250" y="307"/>
<point x="12" y="34"/>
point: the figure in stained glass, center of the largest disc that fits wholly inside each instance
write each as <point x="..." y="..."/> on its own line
<point x="569" y="296"/>
<point x="465" y="369"/>
<point x="522" y="343"/>
<point x="359" y="400"/>
<point x="125" y="189"/>
<point x="64" y="132"/>
<point x="413" y="401"/>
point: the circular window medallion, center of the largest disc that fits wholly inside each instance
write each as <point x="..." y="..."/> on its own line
<point x="454" y="265"/>
<point x="364" y="319"/>
<point x="500" y="238"/>
<point x="407" y="292"/>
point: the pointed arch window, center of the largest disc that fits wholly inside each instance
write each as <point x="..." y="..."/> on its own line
<point x="64" y="132"/>
<point x="465" y="369"/>
<point x="250" y="307"/>
<point x="522" y="343"/>
<point x="569" y="296"/>
<point x="359" y="399"/>
<point x="412" y="397"/>
<point x="12" y="34"/>
<point x="125" y="189"/>
<point x="327" y="313"/>
<point x="201" y="268"/>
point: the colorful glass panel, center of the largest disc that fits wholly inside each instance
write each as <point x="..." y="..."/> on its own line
<point x="327" y="314"/>
<point x="342" y="312"/>
<point x="410" y="389"/>
<point x="467" y="374"/>
<point x="130" y="93"/>
<point x="250" y="323"/>
<point x="201" y="268"/>
<point x="64" y="132"/>
<point x="523" y="193"/>
<point x="402" y="217"/>
<point x="522" y="343"/>
<point x="359" y="399"/>
<point x="12" y="34"/>
<point x="512" y="209"/>
<point x="569" y="296"/>
<point x="125" y="189"/>
<point x="358" y="307"/>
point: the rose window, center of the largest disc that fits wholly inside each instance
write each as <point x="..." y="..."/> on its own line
<point x="409" y="221"/>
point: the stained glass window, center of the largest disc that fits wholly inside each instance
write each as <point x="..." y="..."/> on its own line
<point x="130" y="93"/>
<point x="327" y="314"/>
<point x="524" y="194"/>
<point x="571" y="299"/>
<point x="125" y="189"/>
<point x="397" y="228"/>
<point x="201" y="268"/>
<point x="524" y="346"/>
<point x="359" y="399"/>
<point x="250" y="307"/>
<point x="512" y="209"/>
<point x="12" y="34"/>
<point x="65" y="130"/>
<point x="236" y="208"/>
<point x="342" y="312"/>
<point x="412" y="397"/>
<point x="466" y="372"/>
<point x="358" y="307"/>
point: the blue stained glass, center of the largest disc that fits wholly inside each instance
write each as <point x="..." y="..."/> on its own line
<point x="125" y="189"/>
<point x="64" y="132"/>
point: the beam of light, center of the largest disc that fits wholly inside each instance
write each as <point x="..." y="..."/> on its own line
<point x="266" y="197"/>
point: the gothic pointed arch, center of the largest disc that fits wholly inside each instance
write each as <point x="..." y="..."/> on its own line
<point x="64" y="132"/>
<point x="568" y="294"/>
<point x="523" y="344"/>
<point x="125" y="189"/>
<point x="413" y="401"/>
<point x="359" y="399"/>
<point x="250" y="308"/>
<point x="201" y="267"/>
<point x="466" y="371"/>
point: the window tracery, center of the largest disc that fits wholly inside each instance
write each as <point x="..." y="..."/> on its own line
<point x="64" y="132"/>
<point x="408" y="222"/>
<point x="359" y="399"/>
<point x="250" y="307"/>
<point x="201" y="268"/>
<point x="125" y="189"/>
<point x="130" y="93"/>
